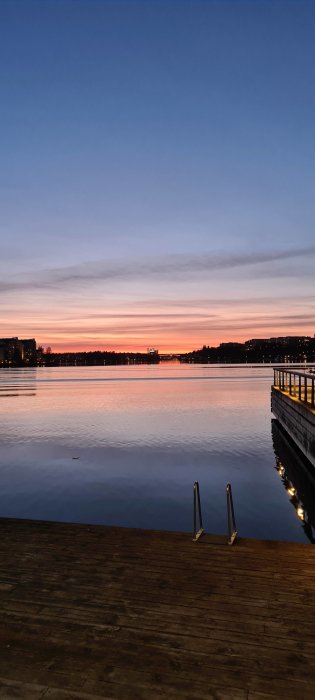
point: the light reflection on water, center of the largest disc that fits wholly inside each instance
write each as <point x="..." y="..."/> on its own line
<point x="123" y="445"/>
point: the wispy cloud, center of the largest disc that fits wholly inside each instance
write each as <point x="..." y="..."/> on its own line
<point x="80" y="306"/>
<point x="179" y="326"/>
<point x="170" y="267"/>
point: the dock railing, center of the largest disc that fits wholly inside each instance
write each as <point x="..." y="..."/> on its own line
<point x="295" y="383"/>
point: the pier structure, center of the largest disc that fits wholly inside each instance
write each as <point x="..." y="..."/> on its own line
<point x="297" y="476"/>
<point x="293" y="404"/>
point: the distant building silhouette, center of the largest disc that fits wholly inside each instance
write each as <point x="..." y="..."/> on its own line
<point x="29" y="355"/>
<point x="290" y="348"/>
<point x="15" y="352"/>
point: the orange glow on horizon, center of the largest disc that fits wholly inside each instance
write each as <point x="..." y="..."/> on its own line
<point x="164" y="346"/>
<point x="170" y="326"/>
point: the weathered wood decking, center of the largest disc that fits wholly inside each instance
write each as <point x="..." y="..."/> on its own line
<point x="96" y="612"/>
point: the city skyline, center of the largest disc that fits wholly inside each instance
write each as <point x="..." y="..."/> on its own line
<point x="157" y="180"/>
<point x="22" y="352"/>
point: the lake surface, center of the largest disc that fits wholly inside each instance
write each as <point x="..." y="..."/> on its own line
<point x="123" y="446"/>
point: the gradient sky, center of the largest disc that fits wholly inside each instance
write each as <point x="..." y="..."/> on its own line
<point x="157" y="172"/>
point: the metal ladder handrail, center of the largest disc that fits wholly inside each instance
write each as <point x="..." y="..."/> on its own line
<point x="197" y="533"/>
<point x="231" y="515"/>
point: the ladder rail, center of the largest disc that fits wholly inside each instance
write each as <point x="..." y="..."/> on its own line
<point x="232" y="531"/>
<point x="198" y="531"/>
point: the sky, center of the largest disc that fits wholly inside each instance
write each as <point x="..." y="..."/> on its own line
<point x="156" y="172"/>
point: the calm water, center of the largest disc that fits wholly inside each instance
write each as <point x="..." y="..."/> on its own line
<point x="123" y="446"/>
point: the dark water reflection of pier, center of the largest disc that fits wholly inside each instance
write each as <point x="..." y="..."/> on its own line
<point x="18" y="383"/>
<point x="298" y="478"/>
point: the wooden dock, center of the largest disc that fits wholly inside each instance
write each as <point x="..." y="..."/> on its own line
<point x="92" y="612"/>
<point x="293" y="404"/>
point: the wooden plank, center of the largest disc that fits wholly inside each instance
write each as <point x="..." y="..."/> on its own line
<point x="94" y="612"/>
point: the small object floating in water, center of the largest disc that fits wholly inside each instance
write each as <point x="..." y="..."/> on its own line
<point x="75" y="457"/>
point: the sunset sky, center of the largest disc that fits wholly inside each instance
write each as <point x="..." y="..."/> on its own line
<point x="157" y="172"/>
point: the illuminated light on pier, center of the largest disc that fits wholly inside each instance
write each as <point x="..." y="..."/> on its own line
<point x="291" y="490"/>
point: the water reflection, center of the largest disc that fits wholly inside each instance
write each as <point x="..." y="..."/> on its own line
<point x="143" y="435"/>
<point x="298" y="478"/>
<point x="18" y="382"/>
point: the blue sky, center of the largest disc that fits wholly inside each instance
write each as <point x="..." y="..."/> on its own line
<point x="157" y="171"/>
